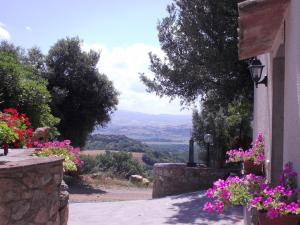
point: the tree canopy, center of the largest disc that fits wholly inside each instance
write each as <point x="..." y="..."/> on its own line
<point x="81" y="96"/>
<point x="199" y="39"/>
<point x="24" y="90"/>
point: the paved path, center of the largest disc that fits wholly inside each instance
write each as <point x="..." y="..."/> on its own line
<point x="182" y="209"/>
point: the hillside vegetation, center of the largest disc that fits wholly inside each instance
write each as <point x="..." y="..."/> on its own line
<point x="114" y="142"/>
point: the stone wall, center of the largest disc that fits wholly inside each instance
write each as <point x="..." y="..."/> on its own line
<point x="177" y="178"/>
<point x="31" y="191"/>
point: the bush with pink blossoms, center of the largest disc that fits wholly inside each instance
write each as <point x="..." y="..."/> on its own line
<point x="255" y="153"/>
<point x="62" y="149"/>
<point x="280" y="200"/>
<point x="232" y="191"/>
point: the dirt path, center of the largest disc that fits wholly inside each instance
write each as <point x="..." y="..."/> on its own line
<point x="106" y="190"/>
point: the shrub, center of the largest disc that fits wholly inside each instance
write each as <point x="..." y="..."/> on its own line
<point x="119" y="164"/>
<point x="62" y="149"/>
<point x="7" y="135"/>
<point x="90" y="164"/>
<point x="20" y="125"/>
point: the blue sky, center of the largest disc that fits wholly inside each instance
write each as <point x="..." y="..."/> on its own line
<point x="123" y="30"/>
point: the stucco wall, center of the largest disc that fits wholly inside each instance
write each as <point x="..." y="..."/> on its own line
<point x="292" y="86"/>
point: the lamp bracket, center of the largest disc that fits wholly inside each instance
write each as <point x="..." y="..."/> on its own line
<point x="263" y="81"/>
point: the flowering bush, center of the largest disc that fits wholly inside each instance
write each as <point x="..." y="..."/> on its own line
<point x="253" y="191"/>
<point x="20" y="125"/>
<point x="61" y="149"/>
<point x="255" y="153"/>
<point x="280" y="200"/>
<point x="232" y="191"/>
<point x="7" y="135"/>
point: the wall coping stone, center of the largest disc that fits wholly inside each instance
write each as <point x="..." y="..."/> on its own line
<point x="20" y="159"/>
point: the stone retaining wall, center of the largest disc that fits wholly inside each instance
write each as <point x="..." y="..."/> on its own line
<point x="31" y="191"/>
<point x="177" y="178"/>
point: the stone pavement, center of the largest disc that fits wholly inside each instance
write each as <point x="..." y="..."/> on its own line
<point x="179" y="210"/>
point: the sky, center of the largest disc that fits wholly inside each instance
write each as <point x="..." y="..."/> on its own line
<point x="124" y="31"/>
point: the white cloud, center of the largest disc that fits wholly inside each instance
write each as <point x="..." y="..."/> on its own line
<point x="122" y="65"/>
<point x="28" y="28"/>
<point x="4" y="34"/>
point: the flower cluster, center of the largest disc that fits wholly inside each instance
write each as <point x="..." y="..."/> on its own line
<point x="62" y="149"/>
<point x="232" y="191"/>
<point x="275" y="201"/>
<point x="20" y="125"/>
<point x="288" y="177"/>
<point x="254" y="192"/>
<point x="255" y="153"/>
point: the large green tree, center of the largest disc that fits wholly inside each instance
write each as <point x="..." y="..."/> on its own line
<point x="82" y="97"/>
<point x="199" y="39"/>
<point x="23" y="89"/>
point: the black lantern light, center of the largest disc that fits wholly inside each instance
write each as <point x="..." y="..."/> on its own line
<point x="256" y="69"/>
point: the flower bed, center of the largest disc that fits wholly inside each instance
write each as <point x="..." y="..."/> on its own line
<point x="61" y="149"/>
<point x="15" y="130"/>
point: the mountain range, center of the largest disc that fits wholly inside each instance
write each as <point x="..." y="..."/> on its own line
<point x="149" y="127"/>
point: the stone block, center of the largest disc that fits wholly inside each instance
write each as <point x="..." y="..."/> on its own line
<point x="19" y="209"/>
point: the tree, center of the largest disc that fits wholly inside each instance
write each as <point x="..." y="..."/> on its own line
<point x="22" y="89"/>
<point x="199" y="39"/>
<point x="82" y="97"/>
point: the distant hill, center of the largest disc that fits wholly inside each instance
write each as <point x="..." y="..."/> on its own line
<point x="114" y="142"/>
<point x="148" y="127"/>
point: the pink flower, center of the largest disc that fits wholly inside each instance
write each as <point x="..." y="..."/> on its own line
<point x="267" y="202"/>
<point x="272" y="213"/>
<point x="210" y="193"/>
<point x="209" y="207"/>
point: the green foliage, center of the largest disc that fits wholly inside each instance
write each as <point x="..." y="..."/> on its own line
<point x="24" y="90"/>
<point x="114" y="142"/>
<point x="69" y="158"/>
<point x="7" y="135"/>
<point x="230" y="127"/>
<point x="82" y="97"/>
<point x="152" y="157"/>
<point x="119" y="164"/>
<point x="199" y="39"/>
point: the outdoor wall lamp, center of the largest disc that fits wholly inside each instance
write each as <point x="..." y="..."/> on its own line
<point x="256" y="69"/>
<point x="208" y="139"/>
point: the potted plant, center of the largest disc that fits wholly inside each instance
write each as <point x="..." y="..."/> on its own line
<point x="252" y="159"/>
<point x="218" y="158"/>
<point x="278" y="205"/>
<point x="275" y="207"/>
<point x="231" y="192"/>
<point x="7" y="136"/>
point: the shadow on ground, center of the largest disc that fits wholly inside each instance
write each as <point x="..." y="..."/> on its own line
<point x="80" y="188"/>
<point x="189" y="211"/>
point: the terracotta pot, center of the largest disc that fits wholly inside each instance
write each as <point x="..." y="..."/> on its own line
<point x="282" y="220"/>
<point x="218" y="164"/>
<point x="250" y="167"/>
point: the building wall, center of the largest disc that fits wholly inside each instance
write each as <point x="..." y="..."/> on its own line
<point x="292" y="86"/>
<point x="263" y="97"/>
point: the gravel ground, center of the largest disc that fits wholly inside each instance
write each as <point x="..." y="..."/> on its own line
<point x="181" y="209"/>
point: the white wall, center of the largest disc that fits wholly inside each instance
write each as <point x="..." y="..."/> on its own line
<point x="263" y="109"/>
<point x="292" y="86"/>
